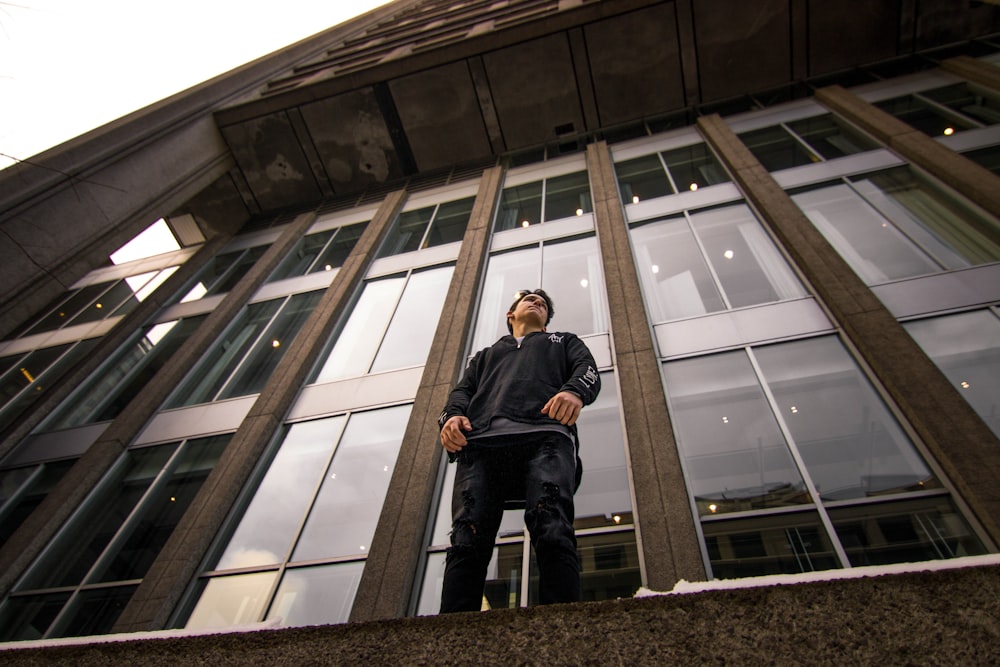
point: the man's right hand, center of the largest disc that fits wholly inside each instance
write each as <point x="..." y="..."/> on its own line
<point x="452" y="436"/>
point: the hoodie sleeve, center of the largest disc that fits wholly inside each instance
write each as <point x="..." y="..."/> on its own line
<point x="584" y="380"/>
<point x="461" y="395"/>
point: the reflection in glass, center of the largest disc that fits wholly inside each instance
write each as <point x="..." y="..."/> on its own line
<point x="408" y="339"/>
<point x="301" y="257"/>
<point x="268" y="526"/>
<point x="675" y="280"/>
<point x="31" y="494"/>
<point x="969" y="100"/>
<point x="506" y="273"/>
<point x="921" y="115"/>
<point x="29" y="617"/>
<point x="735" y="456"/>
<point x="851" y="445"/>
<point x="233" y="600"/>
<point x="750" y="269"/>
<point x="450" y="222"/>
<point x="407" y="232"/>
<point x="85" y="297"/>
<point x="966" y="347"/>
<point x="316" y="595"/>
<point x="520" y="206"/>
<point x="610" y="568"/>
<point x="343" y="517"/>
<point x="94" y="612"/>
<point x="604" y="490"/>
<point x="641" y="179"/>
<point x="29" y="380"/>
<point x="339" y="248"/>
<point x="904" y="532"/>
<point x="573" y="277"/>
<point x="693" y="167"/>
<point x="770" y="544"/>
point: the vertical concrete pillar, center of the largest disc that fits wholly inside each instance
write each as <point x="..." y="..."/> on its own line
<point x="28" y="541"/>
<point x="666" y="527"/>
<point x="108" y="345"/>
<point x="397" y="547"/>
<point x="177" y="563"/>
<point x="974" y="181"/>
<point x="959" y="440"/>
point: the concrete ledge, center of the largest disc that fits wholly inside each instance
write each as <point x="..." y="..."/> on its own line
<point x="924" y="617"/>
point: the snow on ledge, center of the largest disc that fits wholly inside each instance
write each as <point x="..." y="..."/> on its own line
<point x="684" y="587"/>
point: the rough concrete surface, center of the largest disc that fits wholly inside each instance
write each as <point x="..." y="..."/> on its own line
<point x="929" y="618"/>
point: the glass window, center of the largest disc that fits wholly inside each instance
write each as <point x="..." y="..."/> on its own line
<point x="320" y="499"/>
<point x="75" y="302"/>
<point x="391" y="326"/>
<point x="564" y="196"/>
<point x="769" y="544"/>
<point x="777" y="149"/>
<point x="428" y="227"/>
<point x="34" y="374"/>
<point x="920" y="114"/>
<point x="710" y="260"/>
<point x="115" y="536"/>
<point x="222" y="273"/>
<point x="300" y="258"/>
<point x="970" y="100"/>
<point x="23" y="489"/>
<point x="570" y="271"/>
<point x="851" y="445"/>
<point x="108" y="390"/>
<point x="679" y="170"/>
<point x="890" y="225"/>
<point x="242" y="359"/>
<point x="831" y="137"/>
<point x="520" y="206"/>
<point x="966" y="347"/>
<point x="988" y="158"/>
<point x="337" y="250"/>
<point x="735" y="457"/>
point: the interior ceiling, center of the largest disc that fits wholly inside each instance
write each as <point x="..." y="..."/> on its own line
<point x="571" y="71"/>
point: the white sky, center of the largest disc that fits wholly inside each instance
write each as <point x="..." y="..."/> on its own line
<point x="69" y="66"/>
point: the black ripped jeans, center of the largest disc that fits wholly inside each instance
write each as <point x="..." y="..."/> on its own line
<point x="541" y="469"/>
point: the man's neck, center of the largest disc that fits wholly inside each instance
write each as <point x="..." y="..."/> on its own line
<point x="520" y="331"/>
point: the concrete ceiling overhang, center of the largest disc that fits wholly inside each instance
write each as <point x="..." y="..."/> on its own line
<point x="332" y="131"/>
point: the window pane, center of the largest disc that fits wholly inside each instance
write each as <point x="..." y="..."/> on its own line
<point x="337" y="251"/>
<point x="238" y="270"/>
<point x="211" y="273"/>
<point x="105" y="303"/>
<point x="675" y="280"/>
<point x="29" y="617"/>
<point x="735" y="456"/>
<point x="67" y="310"/>
<point x="450" y="222"/>
<point x="904" y="532"/>
<point x="95" y="612"/>
<point x="750" y="268"/>
<point x="922" y="116"/>
<point x="566" y="196"/>
<point x="875" y="249"/>
<point x="108" y="390"/>
<point x="604" y="490"/>
<point x="830" y="137"/>
<point x="776" y="149"/>
<point x="968" y="100"/>
<point x="235" y="600"/>
<point x="506" y="274"/>
<point x="641" y="179"/>
<point x="966" y="347"/>
<point x="610" y="568"/>
<point x="358" y="341"/>
<point x="851" y="445"/>
<point x="927" y="215"/>
<point x="411" y="332"/>
<point x="218" y="364"/>
<point x="28" y="370"/>
<point x="775" y="544"/>
<point x="161" y="511"/>
<point x="302" y="256"/>
<point x="407" y="232"/>
<point x="988" y="158"/>
<point x="693" y="167"/>
<point x="269" y="524"/>
<point x="32" y="496"/>
<point x="343" y="518"/>
<point x="260" y="363"/>
<point x="317" y="595"/>
<point x="573" y="277"/>
<point x="520" y="206"/>
<point x="78" y="546"/>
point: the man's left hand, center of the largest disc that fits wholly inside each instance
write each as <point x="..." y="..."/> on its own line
<point x="564" y="407"/>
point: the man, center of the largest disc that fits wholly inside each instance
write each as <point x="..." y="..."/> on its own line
<point x="510" y="426"/>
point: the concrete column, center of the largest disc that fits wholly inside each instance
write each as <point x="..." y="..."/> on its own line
<point x="108" y="345"/>
<point x="973" y="70"/>
<point x="398" y="544"/>
<point x="956" y="437"/>
<point x="975" y="182"/>
<point x="177" y="563"/>
<point x="668" y="540"/>
<point x="28" y="541"/>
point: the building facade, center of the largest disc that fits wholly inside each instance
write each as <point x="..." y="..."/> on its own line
<point x="788" y="271"/>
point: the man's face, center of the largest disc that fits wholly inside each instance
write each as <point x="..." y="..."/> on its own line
<point x="532" y="308"/>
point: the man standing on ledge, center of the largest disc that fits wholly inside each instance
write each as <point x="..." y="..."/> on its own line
<point x="510" y="426"/>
